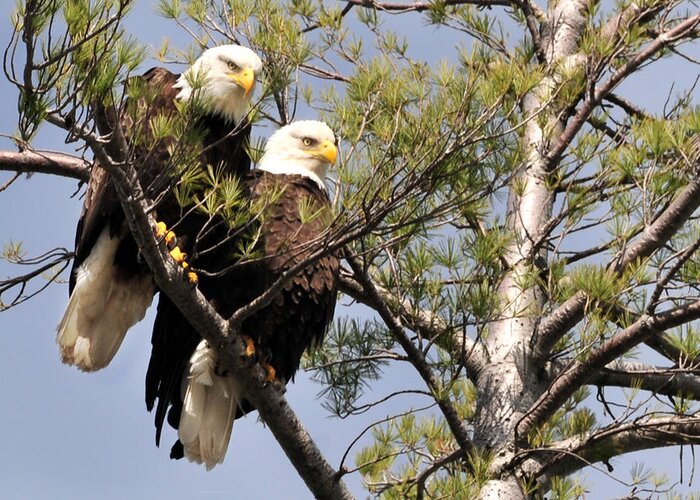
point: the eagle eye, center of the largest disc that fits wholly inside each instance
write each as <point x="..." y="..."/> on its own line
<point x="308" y="141"/>
<point x="232" y="66"/>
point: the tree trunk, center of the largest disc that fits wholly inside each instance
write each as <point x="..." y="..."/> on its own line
<point x="509" y="384"/>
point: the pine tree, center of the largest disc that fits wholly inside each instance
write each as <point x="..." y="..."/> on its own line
<point x="518" y="230"/>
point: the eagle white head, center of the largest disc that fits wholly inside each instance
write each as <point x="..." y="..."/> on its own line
<point x="224" y="78"/>
<point x="305" y="148"/>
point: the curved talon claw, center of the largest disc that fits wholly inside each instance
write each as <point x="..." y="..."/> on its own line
<point x="170" y="238"/>
<point x="160" y="229"/>
<point x="271" y="372"/>
<point x="166" y="235"/>
<point x="249" y="346"/>
<point x="251" y="350"/>
<point x="178" y="255"/>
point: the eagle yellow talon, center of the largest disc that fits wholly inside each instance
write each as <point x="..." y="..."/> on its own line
<point x="178" y="255"/>
<point x="271" y="372"/>
<point x="169" y="238"/>
<point x="161" y="229"/>
<point x="163" y="232"/>
<point x="249" y="346"/>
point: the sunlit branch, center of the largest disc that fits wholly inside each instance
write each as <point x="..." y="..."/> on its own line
<point x="644" y="434"/>
<point x="581" y="372"/>
<point x="683" y="382"/>
<point x="415" y="355"/>
<point x="45" y="162"/>
<point x="568" y="314"/>
<point x="665" y="39"/>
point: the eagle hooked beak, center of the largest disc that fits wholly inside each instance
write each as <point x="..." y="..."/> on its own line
<point x="244" y="79"/>
<point x="328" y="151"/>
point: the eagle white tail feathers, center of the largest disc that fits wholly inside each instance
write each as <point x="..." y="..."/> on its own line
<point x="101" y="308"/>
<point x="208" y="410"/>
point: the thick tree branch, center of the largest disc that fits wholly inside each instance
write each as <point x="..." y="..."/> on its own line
<point x="669" y="382"/>
<point x="646" y="434"/>
<point x="656" y="379"/>
<point x="581" y="372"/>
<point x="467" y="351"/>
<point x="568" y="314"/>
<point x="45" y="162"/>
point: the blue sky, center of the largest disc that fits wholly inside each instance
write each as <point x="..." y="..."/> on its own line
<point x="65" y="434"/>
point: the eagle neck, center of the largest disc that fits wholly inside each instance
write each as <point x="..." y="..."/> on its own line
<point x="282" y="167"/>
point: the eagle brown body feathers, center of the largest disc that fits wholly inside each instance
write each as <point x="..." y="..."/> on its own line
<point x="110" y="286"/>
<point x="293" y="223"/>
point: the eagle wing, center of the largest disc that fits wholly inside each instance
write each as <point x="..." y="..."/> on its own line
<point x="110" y="288"/>
<point x="101" y="206"/>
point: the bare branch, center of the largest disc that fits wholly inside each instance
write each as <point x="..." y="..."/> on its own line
<point x="581" y="372"/>
<point x="45" y="162"/>
<point x="659" y="380"/>
<point x="643" y="434"/>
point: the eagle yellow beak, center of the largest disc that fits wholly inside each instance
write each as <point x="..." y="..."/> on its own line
<point x="328" y="151"/>
<point x="244" y="79"/>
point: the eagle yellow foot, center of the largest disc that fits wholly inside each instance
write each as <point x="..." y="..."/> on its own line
<point x="249" y="346"/>
<point x="252" y="351"/>
<point x="191" y="275"/>
<point x="162" y="232"/>
<point x="178" y="255"/>
<point x="271" y="372"/>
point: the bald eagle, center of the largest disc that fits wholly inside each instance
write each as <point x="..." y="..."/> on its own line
<point x="183" y="377"/>
<point x="110" y="287"/>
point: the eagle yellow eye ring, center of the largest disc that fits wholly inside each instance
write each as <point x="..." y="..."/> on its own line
<point x="232" y="66"/>
<point x="307" y="141"/>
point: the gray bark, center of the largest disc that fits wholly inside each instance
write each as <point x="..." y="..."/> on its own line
<point x="508" y="385"/>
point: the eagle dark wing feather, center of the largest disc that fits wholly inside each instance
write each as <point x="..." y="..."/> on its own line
<point x="101" y="207"/>
<point x="110" y="287"/>
<point x="299" y="317"/>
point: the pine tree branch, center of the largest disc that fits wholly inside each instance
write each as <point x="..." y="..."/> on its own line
<point x="581" y="372"/>
<point x="401" y="7"/>
<point x="666" y="38"/>
<point x="45" y="162"/>
<point x="669" y="221"/>
<point x="656" y="379"/>
<point x="465" y="350"/>
<point x="415" y="355"/>
<point x="643" y="434"/>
